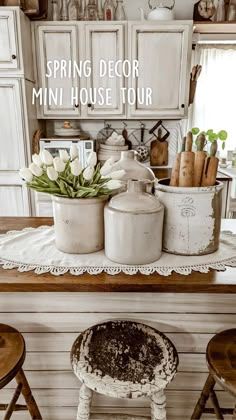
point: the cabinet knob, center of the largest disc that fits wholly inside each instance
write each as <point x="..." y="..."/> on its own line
<point x="90" y="105"/>
<point x="13" y="56"/>
<point x="76" y="105"/>
<point x="182" y="106"/>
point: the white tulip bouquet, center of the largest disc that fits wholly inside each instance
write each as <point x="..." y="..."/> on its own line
<point x="63" y="175"/>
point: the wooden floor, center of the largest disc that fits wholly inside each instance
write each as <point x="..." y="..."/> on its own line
<point x="51" y="322"/>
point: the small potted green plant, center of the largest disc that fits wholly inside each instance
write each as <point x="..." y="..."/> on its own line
<point x="79" y="196"/>
<point x="211" y="136"/>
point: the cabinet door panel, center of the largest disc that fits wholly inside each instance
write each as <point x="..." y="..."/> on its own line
<point x="11" y="126"/>
<point x="163" y="53"/>
<point x="57" y="43"/>
<point x="8" y="46"/>
<point x="12" y="201"/>
<point x="105" y="42"/>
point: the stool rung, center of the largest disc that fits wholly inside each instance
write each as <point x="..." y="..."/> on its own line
<point x="117" y="417"/>
<point x="18" y="407"/>
<point x="223" y="410"/>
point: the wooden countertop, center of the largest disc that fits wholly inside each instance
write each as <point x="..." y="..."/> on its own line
<point x="14" y="281"/>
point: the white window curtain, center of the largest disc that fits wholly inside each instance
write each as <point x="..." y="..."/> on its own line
<point x="215" y="101"/>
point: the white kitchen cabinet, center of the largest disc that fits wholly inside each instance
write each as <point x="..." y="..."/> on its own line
<point x="14" y="201"/>
<point x="56" y="43"/>
<point x="17" y="114"/>
<point x="8" y="41"/>
<point x="163" y="51"/>
<point x="105" y="42"/>
<point x="12" y="141"/>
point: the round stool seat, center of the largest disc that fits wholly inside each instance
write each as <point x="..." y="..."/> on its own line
<point x="221" y="359"/>
<point x="12" y="353"/>
<point x="124" y="359"/>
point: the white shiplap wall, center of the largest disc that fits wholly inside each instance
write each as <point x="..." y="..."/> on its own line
<point x="51" y="322"/>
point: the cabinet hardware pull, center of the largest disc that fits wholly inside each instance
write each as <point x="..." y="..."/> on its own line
<point x="76" y="105"/>
<point x="13" y="56"/>
<point x="90" y="105"/>
<point x="182" y="106"/>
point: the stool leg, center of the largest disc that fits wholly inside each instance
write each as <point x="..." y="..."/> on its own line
<point x="201" y="404"/>
<point x="29" y="399"/>
<point x="12" y="404"/>
<point x="216" y="406"/>
<point x="158" y="406"/>
<point x="85" y="399"/>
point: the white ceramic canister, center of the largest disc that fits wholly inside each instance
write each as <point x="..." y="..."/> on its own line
<point x="192" y="218"/>
<point x="133" y="226"/>
<point x="79" y="224"/>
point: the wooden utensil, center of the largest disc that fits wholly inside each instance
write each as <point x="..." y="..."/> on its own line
<point x="210" y="167"/>
<point x="174" y="180"/>
<point x="199" y="161"/>
<point x="125" y="135"/>
<point x="187" y="164"/>
<point x="159" y="151"/>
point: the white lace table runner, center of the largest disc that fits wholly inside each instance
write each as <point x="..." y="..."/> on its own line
<point x="34" y="249"/>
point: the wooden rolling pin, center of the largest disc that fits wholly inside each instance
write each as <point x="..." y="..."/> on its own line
<point x="211" y="167"/>
<point x="187" y="164"/>
<point x="174" y="180"/>
<point x="199" y="161"/>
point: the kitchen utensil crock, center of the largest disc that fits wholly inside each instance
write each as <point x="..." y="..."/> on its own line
<point x="133" y="226"/>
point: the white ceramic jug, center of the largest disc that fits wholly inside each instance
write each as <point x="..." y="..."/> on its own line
<point x="133" y="226"/>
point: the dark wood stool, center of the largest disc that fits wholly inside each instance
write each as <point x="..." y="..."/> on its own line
<point x="221" y="361"/>
<point x="124" y="359"/>
<point x="12" y="356"/>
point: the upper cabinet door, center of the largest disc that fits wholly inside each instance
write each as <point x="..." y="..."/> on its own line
<point x="12" y="144"/>
<point x="55" y="43"/>
<point x="163" y="52"/>
<point x="8" y="45"/>
<point x="105" y="44"/>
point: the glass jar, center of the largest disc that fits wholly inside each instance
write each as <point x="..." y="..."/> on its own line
<point x="82" y="5"/>
<point x="92" y="10"/>
<point x="100" y="10"/>
<point x="120" y="12"/>
<point x="73" y="9"/>
<point x="234" y="159"/>
<point x="109" y="10"/>
<point x="64" y="11"/>
<point x="55" y="10"/>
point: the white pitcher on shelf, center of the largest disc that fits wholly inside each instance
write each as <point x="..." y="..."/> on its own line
<point x="160" y="12"/>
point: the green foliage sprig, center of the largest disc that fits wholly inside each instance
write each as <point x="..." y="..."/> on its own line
<point x="211" y="136"/>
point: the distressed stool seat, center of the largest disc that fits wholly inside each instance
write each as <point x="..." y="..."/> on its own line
<point x="12" y="357"/>
<point x="221" y="361"/>
<point x="123" y="359"/>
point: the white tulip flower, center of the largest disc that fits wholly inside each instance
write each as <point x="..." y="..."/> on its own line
<point x="88" y="173"/>
<point x="58" y="164"/>
<point x="92" y="159"/>
<point x="26" y="174"/>
<point x="107" y="167"/>
<point x="64" y="155"/>
<point x="35" y="169"/>
<point x="113" y="184"/>
<point x="76" y="167"/>
<point x="47" y="158"/>
<point x="52" y="173"/>
<point x="37" y="160"/>
<point x="74" y="153"/>
<point x="117" y="174"/>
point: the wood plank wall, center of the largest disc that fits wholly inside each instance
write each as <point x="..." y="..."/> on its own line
<point x="51" y="322"/>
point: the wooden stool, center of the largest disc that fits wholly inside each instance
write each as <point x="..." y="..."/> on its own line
<point x="123" y="359"/>
<point x="221" y="360"/>
<point x="12" y="356"/>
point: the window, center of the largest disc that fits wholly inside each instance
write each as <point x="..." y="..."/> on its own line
<point x="215" y="101"/>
